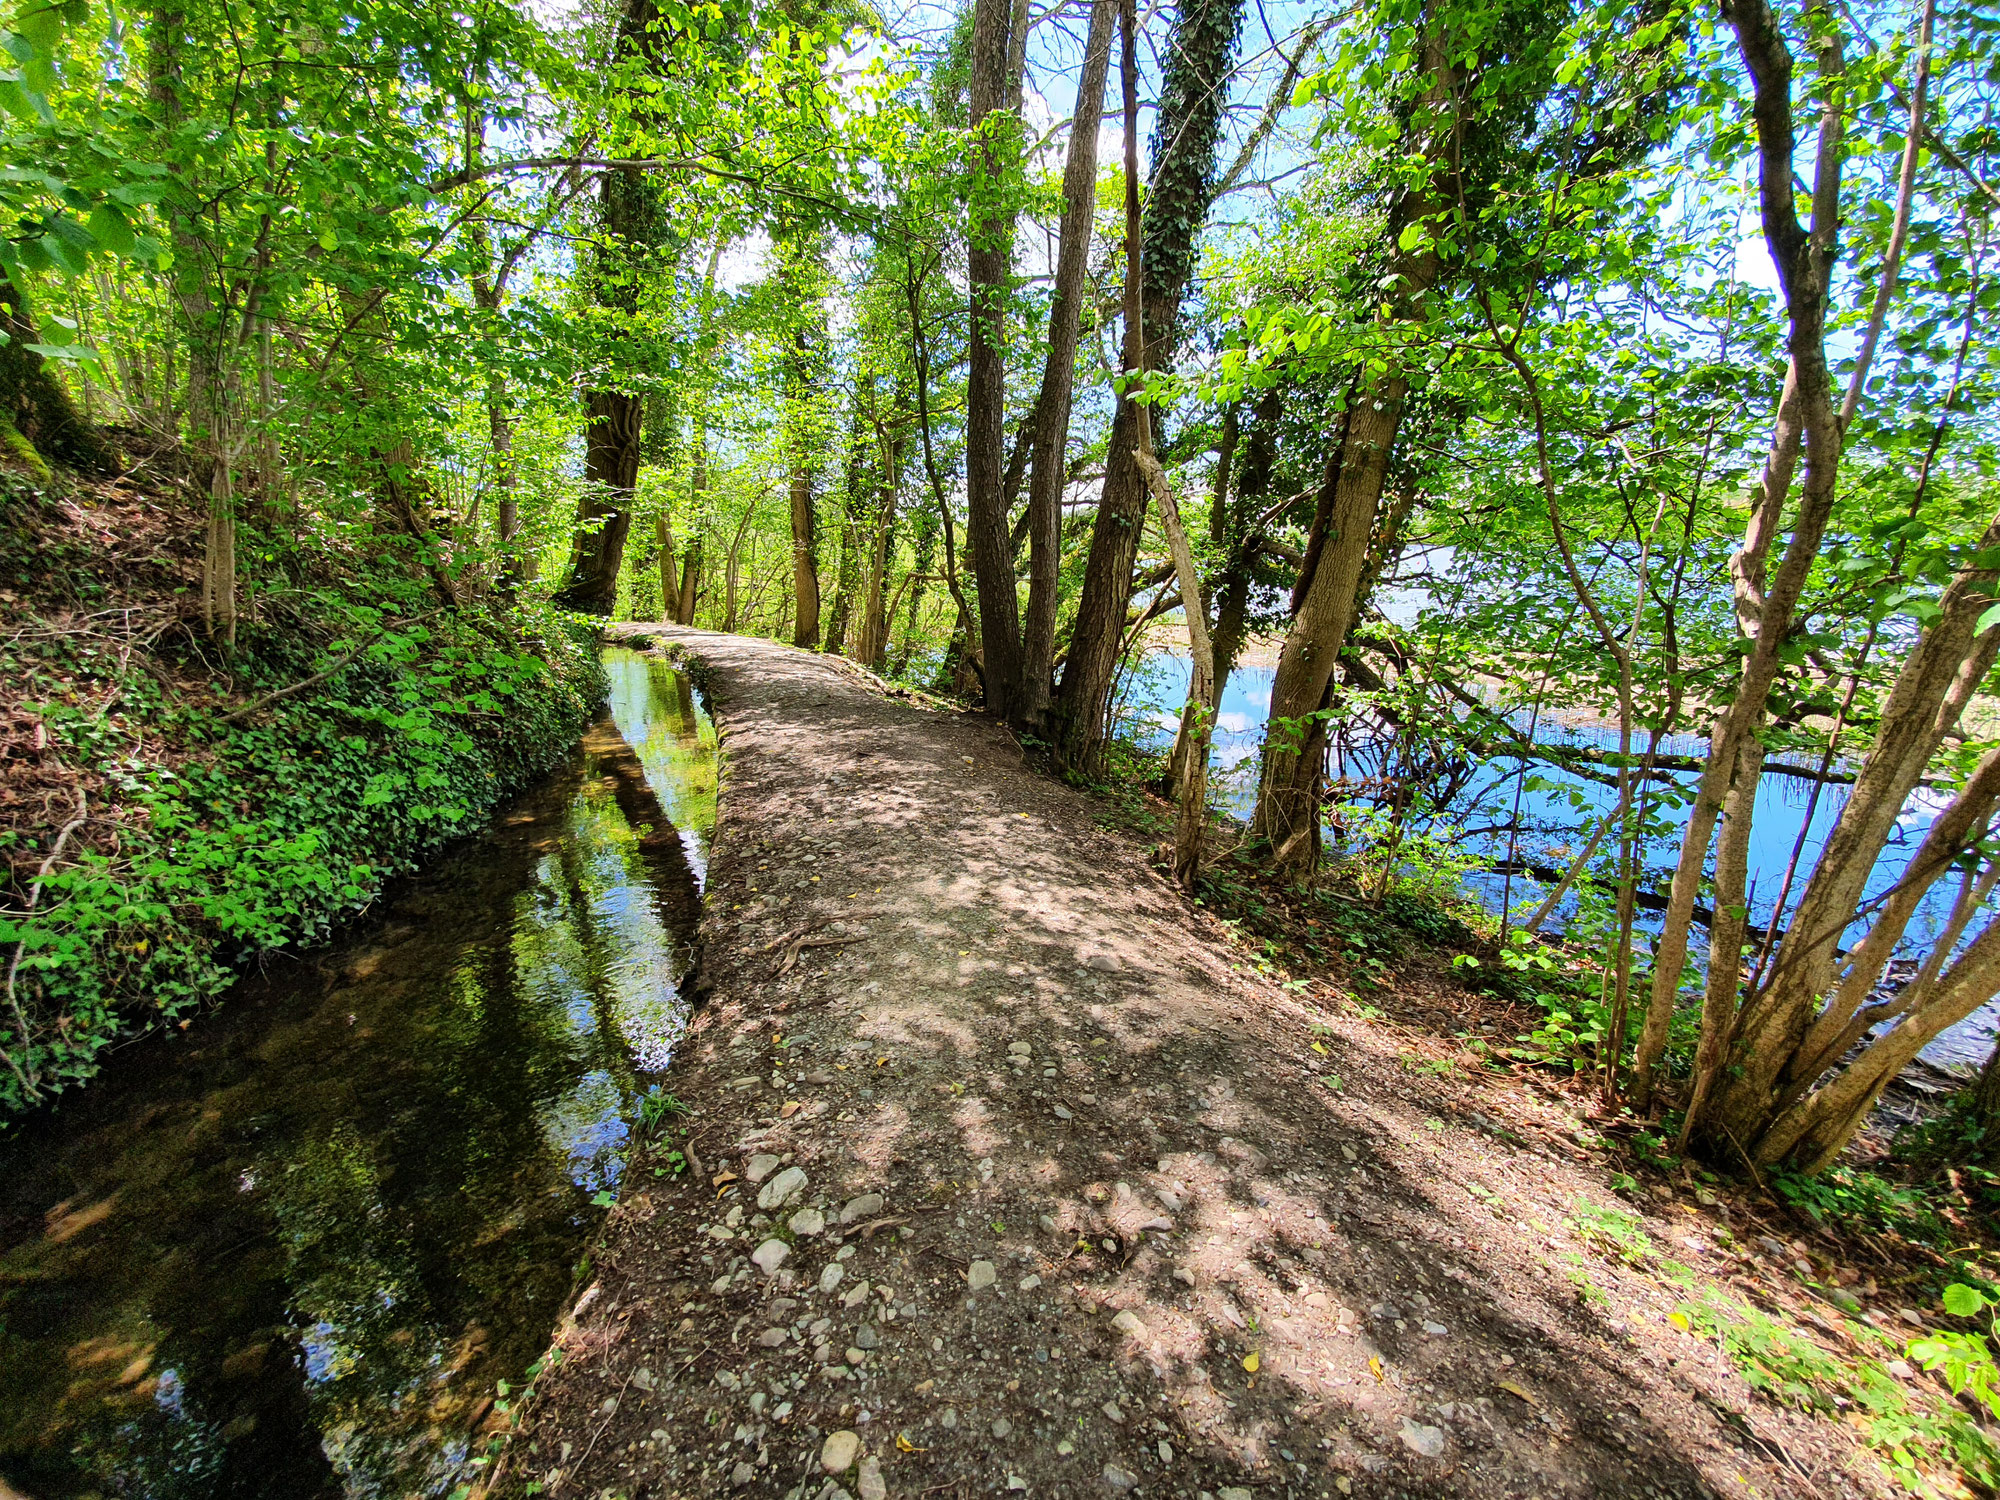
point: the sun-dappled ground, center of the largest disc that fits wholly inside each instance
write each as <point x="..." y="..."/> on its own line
<point x="1007" y="1173"/>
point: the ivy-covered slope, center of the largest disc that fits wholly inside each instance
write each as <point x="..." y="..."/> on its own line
<point x="170" y="809"/>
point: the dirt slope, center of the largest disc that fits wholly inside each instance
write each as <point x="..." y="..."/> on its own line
<point x="1031" y="1185"/>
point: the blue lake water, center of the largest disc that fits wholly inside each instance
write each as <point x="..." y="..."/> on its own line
<point x="1552" y="813"/>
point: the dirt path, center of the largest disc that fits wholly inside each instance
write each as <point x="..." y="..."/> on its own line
<point x="1030" y="1184"/>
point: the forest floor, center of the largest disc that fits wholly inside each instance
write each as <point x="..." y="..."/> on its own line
<point x="1008" y="1171"/>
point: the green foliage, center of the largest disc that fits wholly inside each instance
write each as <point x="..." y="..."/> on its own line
<point x="1916" y="1434"/>
<point x="235" y="839"/>
<point x="1852" y="1199"/>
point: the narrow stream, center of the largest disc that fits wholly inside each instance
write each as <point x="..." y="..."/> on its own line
<point x="290" y="1252"/>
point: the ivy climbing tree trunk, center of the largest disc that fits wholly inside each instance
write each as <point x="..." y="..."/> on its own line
<point x="614" y="416"/>
<point x="1193" y="96"/>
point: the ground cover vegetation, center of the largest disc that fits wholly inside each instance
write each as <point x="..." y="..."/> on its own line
<point x="1496" y="363"/>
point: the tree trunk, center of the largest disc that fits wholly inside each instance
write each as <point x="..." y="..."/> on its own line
<point x="1287" y="796"/>
<point x="615" y="419"/>
<point x="1807" y="422"/>
<point x="1194" y="94"/>
<point x="1048" y="461"/>
<point x="604" y="515"/>
<point x="988" y="257"/>
<point x="34" y="402"/>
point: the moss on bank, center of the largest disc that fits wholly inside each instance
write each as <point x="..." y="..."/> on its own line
<point x="164" y="818"/>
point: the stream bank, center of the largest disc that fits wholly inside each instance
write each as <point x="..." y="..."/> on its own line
<point x="294" y="1251"/>
<point x="174" y="809"/>
<point x="1008" y="1171"/>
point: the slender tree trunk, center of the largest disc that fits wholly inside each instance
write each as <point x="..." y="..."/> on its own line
<point x="988" y="258"/>
<point x="1048" y="459"/>
<point x="1807" y="422"/>
<point x="729" y="568"/>
<point x="805" y="516"/>
<point x="1287" y="796"/>
<point x="1193" y="97"/>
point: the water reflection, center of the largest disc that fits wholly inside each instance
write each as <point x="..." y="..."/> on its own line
<point x="289" y="1253"/>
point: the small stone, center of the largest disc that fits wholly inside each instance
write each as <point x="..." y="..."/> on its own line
<point x="1103" y="963"/>
<point x="1029" y="1283"/>
<point x="838" y="1453"/>
<point x="1428" y="1442"/>
<point x="948" y="1418"/>
<point x="1112" y="1411"/>
<point x="719" y="1286"/>
<point x="1064" y="1114"/>
<point x="855" y="1356"/>
<point x="831" y="1276"/>
<point x="768" y="1256"/>
<point x="743" y="1473"/>
<point x="782" y="1189"/>
<point x="771" y="1338"/>
<point x="1166" y="1451"/>
<point x="1186" y="1277"/>
<point x="1234" y="1492"/>
<point x="865" y="1337"/>
<point x="1065" y="1447"/>
<point x="1001" y="1427"/>
<point x="1349" y="1152"/>
<point x="762" y="1165"/>
<point x="980" y="1275"/>
<point x="861" y="1207"/>
<point x="819" y="1076"/>
<point x="1119" y="1480"/>
<point x="806" y="1222"/>
<point x="1386" y="1311"/>
<point x="1435" y="1330"/>
<point x="1019" y="1047"/>
<point x="1318" y="1301"/>
<point x="1127" y="1322"/>
<point x="869" y="1483"/>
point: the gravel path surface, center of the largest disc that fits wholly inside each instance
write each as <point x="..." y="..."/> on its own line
<point x="1012" y="1176"/>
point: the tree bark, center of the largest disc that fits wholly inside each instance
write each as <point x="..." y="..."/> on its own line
<point x="1194" y="95"/>
<point x="614" y="418"/>
<point x="1048" y="469"/>
<point x="988" y="258"/>
<point x="1807" y="423"/>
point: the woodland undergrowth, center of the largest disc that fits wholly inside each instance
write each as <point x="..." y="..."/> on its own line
<point x="169" y="812"/>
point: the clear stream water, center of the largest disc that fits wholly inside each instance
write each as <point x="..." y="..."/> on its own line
<point x="1549" y="817"/>
<point x="289" y="1252"/>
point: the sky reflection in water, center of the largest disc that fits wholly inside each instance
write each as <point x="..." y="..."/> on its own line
<point x="287" y="1253"/>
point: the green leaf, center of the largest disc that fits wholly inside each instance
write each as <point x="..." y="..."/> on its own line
<point x="1960" y="1300"/>
<point x="108" y="227"/>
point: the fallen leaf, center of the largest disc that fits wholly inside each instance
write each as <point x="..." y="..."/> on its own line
<point x="1319" y="1049"/>
<point x="1375" y="1368"/>
<point x="720" y="1178"/>
<point x="1251" y="1361"/>
<point x="904" y="1445"/>
<point x="1679" y="1320"/>
<point x="1514" y="1390"/>
<point x="880" y="1060"/>
<point x="788" y="1109"/>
